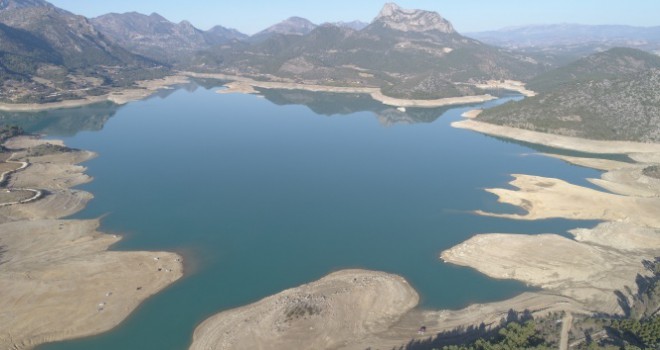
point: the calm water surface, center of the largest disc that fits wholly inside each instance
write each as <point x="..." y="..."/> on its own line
<point x="264" y="194"/>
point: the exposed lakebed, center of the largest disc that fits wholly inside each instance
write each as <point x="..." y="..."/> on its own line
<point x="260" y="195"/>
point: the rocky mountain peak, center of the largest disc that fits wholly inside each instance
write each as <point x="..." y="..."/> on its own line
<point x="408" y="20"/>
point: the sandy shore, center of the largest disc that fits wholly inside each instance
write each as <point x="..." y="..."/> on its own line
<point x="620" y="178"/>
<point x="545" y="198"/>
<point x="247" y="85"/>
<point x="337" y="309"/>
<point x="353" y="309"/>
<point x="599" y="261"/>
<point x="57" y="278"/>
<point x="142" y="90"/>
<point x="471" y="114"/>
<point x="450" y="101"/>
<point x="559" y="141"/>
<point x="510" y="85"/>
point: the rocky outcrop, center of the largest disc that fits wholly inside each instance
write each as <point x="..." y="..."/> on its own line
<point x="394" y="17"/>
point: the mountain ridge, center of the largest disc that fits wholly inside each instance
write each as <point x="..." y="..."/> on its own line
<point x="156" y="37"/>
<point x="387" y="53"/>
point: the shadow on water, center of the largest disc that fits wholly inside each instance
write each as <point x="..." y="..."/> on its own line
<point x="563" y="152"/>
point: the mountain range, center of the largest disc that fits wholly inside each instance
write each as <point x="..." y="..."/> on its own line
<point x="155" y="37"/>
<point x="49" y="54"/>
<point x="566" y="42"/>
<point x="408" y="53"/>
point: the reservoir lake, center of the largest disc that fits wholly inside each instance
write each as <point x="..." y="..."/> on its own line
<point x="264" y="193"/>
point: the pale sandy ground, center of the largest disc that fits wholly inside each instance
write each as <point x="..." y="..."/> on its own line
<point x="357" y="310"/>
<point x="562" y="142"/>
<point x="471" y="114"/>
<point x="511" y="85"/>
<point x="329" y="313"/>
<point x="578" y="276"/>
<point x="621" y="177"/>
<point x="544" y="198"/>
<point x="57" y="279"/>
<point x="450" y="101"/>
<point x="247" y="85"/>
<point x="142" y="90"/>
<point x="599" y="261"/>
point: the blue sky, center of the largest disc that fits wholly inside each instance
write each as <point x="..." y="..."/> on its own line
<point x="250" y="16"/>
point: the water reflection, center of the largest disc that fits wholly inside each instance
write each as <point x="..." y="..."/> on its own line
<point x="329" y="104"/>
<point x="62" y="122"/>
<point x="68" y="122"/>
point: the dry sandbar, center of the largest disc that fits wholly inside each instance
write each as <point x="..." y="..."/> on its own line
<point x="338" y="309"/>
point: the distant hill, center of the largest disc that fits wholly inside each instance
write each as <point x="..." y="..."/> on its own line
<point x="612" y="63"/>
<point x="398" y="49"/>
<point x="155" y="37"/>
<point x="49" y="54"/>
<point x="623" y="105"/>
<point x="290" y="26"/>
<point x="566" y="42"/>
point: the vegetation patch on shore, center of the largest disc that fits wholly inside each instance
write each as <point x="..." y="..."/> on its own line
<point x="652" y="171"/>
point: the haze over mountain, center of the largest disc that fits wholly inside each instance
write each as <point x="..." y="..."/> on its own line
<point x="612" y="63"/>
<point x="290" y="26"/>
<point x="155" y="37"/>
<point x="572" y="40"/>
<point x="355" y="25"/>
<point x="614" y="95"/>
<point x="398" y="51"/>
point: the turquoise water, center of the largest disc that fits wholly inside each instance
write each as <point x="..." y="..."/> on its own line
<point x="263" y="194"/>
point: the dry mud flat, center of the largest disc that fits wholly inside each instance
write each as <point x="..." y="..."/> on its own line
<point x="592" y="272"/>
<point x="57" y="279"/>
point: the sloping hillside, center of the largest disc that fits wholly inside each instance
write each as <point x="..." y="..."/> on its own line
<point x="625" y="107"/>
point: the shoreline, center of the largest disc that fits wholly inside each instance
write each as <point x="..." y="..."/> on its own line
<point x="559" y="141"/>
<point x="144" y="89"/>
<point x="240" y="84"/>
<point x="58" y="278"/>
<point x="577" y="276"/>
<point x="509" y="85"/>
<point x="36" y="227"/>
